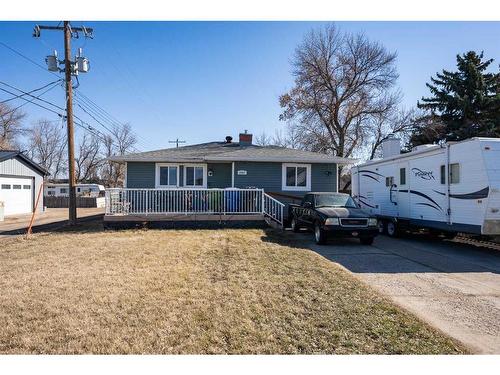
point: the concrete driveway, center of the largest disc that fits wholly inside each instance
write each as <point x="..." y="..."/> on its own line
<point x="453" y="286"/>
<point x="52" y="218"/>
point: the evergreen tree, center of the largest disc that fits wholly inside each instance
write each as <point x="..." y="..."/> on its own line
<point x="465" y="103"/>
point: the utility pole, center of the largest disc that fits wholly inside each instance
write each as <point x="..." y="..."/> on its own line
<point x="69" y="117"/>
<point x="177" y="142"/>
<point x="70" y="68"/>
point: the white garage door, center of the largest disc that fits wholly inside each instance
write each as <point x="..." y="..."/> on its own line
<point x="17" y="195"/>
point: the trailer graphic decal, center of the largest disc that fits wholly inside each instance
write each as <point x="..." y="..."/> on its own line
<point x="427" y="204"/>
<point x="373" y="178"/>
<point x="366" y="204"/>
<point x="424" y="175"/>
<point x="423" y="196"/>
<point x="480" y="194"/>
<point x="363" y="171"/>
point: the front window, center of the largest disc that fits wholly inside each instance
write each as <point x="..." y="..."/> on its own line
<point x="334" y="200"/>
<point x="168" y="175"/>
<point x="296" y="177"/>
<point x="194" y="176"/>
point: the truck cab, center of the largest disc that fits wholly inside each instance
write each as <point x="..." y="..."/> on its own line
<point x="333" y="215"/>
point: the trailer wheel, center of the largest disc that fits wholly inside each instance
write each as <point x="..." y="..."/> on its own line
<point x="392" y="229"/>
<point x="382" y="227"/>
<point x="449" y="235"/>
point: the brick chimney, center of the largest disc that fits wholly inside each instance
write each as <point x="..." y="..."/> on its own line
<point x="245" y="139"/>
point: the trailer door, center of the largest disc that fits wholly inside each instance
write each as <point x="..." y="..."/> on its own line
<point x="403" y="194"/>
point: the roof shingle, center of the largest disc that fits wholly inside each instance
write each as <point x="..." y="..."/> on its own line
<point x="221" y="151"/>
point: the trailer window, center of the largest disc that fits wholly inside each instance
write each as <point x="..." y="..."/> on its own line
<point x="402" y="176"/>
<point x="389" y="181"/>
<point x="454" y="173"/>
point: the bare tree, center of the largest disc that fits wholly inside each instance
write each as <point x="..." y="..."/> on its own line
<point x="46" y="144"/>
<point x="10" y="126"/>
<point x="263" y="140"/>
<point x="120" y="142"/>
<point x="88" y="160"/>
<point x="400" y="123"/>
<point x="342" y="81"/>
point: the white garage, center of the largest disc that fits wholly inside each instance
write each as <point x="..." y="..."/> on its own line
<point x="20" y="180"/>
<point x="17" y="193"/>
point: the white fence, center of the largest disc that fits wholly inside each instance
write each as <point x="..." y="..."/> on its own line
<point x="192" y="201"/>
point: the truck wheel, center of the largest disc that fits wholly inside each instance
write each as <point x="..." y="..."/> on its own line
<point x="294" y="225"/>
<point x="319" y="234"/>
<point x="382" y="227"/>
<point x="366" y="240"/>
<point x="392" y="229"/>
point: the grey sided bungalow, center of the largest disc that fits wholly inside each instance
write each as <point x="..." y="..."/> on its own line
<point x="222" y="177"/>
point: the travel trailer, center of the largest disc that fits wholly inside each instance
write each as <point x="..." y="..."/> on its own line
<point x="82" y="190"/>
<point x="447" y="188"/>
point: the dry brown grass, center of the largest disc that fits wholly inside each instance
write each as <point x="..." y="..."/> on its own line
<point x="204" y="291"/>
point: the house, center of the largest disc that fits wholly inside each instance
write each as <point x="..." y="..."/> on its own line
<point x="20" y="181"/>
<point x="224" y="178"/>
<point x="82" y="190"/>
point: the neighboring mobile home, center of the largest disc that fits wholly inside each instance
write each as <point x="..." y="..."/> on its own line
<point x="224" y="177"/>
<point x="20" y="182"/>
<point x="82" y="190"/>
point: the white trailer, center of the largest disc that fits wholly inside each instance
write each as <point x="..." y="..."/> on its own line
<point x="447" y="188"/>
<point x="82" y="190"/>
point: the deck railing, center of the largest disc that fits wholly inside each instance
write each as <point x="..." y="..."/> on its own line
<point x="125" y="201"/>
<point x="273" y="208"/>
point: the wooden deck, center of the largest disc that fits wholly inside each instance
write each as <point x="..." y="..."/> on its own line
<point x="183" y="217"/>
<point x="185" y="220"/>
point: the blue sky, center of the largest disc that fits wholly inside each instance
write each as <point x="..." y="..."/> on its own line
<point x="201" y="81"/>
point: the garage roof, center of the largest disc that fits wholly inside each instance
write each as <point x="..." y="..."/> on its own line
<point x="11" y="154"/>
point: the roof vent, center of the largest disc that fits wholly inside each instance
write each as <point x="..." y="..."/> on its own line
<point x="229" y="139"/>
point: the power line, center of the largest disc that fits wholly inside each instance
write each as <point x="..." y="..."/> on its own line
<point x="33" y="102"/>
<point x="110" y="117"/>
<point x="93" y="113"/>
<point x="27" y="58"/>
<point x="25" y="93"/>
<point x="88" y="127"/>
<point x="32" y="91"/>
<point x="84" y="97"/>
<point x="26" y="100"/>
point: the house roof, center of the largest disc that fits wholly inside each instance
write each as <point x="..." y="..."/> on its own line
<point x="227" y="152"/>
<point x="11" y="154"/>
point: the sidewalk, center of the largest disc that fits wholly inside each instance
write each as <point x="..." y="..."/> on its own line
<point x="51" y="218"/>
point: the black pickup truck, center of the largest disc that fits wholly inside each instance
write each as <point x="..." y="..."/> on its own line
<point x="333" y="214"/>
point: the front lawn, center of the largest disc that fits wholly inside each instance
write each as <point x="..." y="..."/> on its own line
<point x="187" y="291"/>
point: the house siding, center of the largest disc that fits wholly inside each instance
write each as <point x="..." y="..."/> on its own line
<point x="324" y="177"/>
<point x="221" y="177"/>
<point x="140" y="175"/>
<point x="263" y="175"/>
<point x="268" y="176"/>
